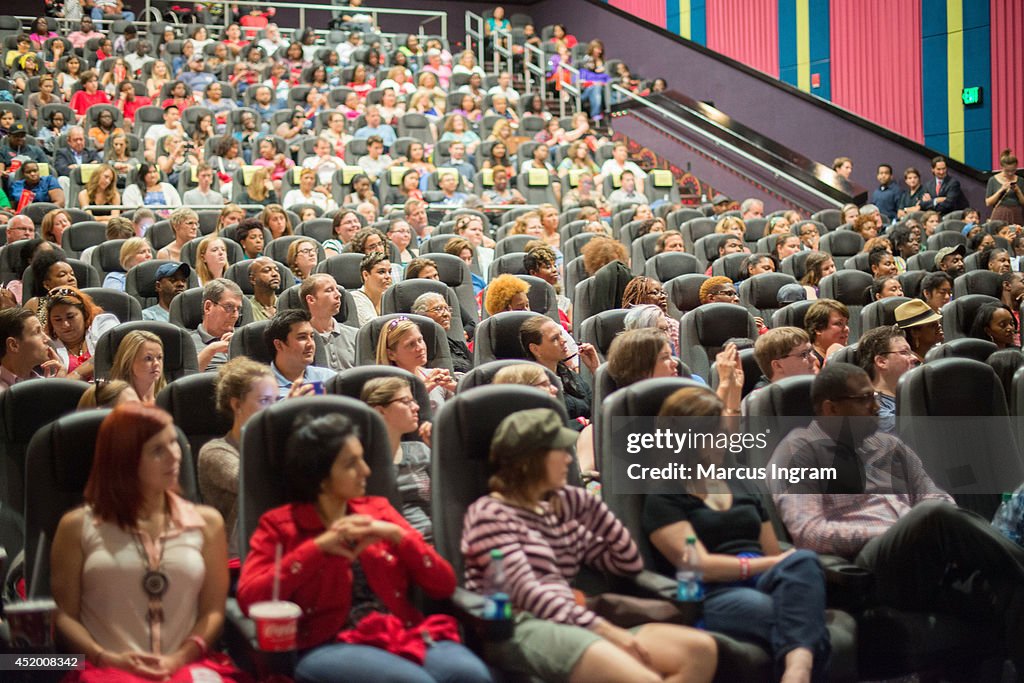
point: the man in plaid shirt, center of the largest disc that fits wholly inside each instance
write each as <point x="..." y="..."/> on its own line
<point x="885" y="513"/>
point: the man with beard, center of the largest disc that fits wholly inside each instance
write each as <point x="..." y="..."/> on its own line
<point x="884" y="512"/>
<point x="950" y="260"/>
<point x="266" y="280"/>
<point x="171" y="280"/>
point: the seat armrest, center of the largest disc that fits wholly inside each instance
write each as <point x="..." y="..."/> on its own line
<point x="468" y="608"/>
<point x="848" y="586"/>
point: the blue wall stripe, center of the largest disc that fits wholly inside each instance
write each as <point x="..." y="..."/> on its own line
<point x="978" y="71"/>
<point x="934" y="74"/>
<point x="698" y="22"/>
<point x="820" y="47"/>
<point x="787" y="42"/>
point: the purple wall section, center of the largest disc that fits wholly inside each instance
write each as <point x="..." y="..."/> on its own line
<point x="804" y="126"/>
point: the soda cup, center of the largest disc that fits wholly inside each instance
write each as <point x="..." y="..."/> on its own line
<point x="31" y="623"/>
<point x="276" y="624"/>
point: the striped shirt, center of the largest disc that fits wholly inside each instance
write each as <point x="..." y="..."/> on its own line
<point x="544" y="551"/>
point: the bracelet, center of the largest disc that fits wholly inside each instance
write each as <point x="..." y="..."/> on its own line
<point x="744" y="568"/>
<point x="200" y="643"/>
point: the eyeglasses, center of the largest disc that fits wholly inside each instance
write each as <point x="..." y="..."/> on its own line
<point x="440" y="310"/>
<point x="727" y="292"/>
<point x="906" y="352"/>
<point x="802" y="355"/>
<point x="408" y="401"/>
<point x="306" y="251"/>
<point x="230" y="309"/>
<point x="858" y="398"/>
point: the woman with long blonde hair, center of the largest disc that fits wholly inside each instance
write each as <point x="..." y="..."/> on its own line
<point x="101" y="190"/>
<point x="260" y="189"/>
<point x="211" y="259"/>
<point x="140" y="362"/>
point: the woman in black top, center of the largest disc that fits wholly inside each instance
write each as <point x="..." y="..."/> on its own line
<point x="543" y="341"/>
<point x="754" y="592"/>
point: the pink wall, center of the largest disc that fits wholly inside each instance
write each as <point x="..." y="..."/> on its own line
<point x="648" y="10"/>
<point x="882" y="84"/>
<point x="747" y="31"/>
<point x="1007" y="90"/>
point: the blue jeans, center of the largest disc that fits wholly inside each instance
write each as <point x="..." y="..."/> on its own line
<point x="97" y="14"/>
<point x="783" y="611"/>
<point x="446" y="662"/>
<point x="593" y="98"/>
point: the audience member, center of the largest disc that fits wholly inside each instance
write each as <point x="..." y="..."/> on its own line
<point x="170" y="280"/>
<point x="266" y="282"/>
<point x="139" y="361"/>
<point x="291" y="342"/>
<point x="784" y="352"/>
<point x="323" y="297"/>
<point x="222" y="305"/>
<point x="885" y="355"/>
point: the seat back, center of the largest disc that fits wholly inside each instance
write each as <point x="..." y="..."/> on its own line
<point x="760" y="294"/>
<point x="106" y="257"/>
<point x="264" y="449"/>
<point x="602" y="328"/>
<point x="958" y="314"/>
<point x="81" y="236"/>
<point x="511" y="264"/>
<point x="57" y="467"/>
<point x="497" y="337"/>
<point x="25" y="408"/>
<point x="966" y="445"/>
<point x="978" y="282"/>
<point x="924" y="260"/>
<point x="344" y="268"/>
<point x="795" y="264"/>
<point x="350" y="382"/>
<point x="438" y="352"/>
<point x="641" y="250"/>
<point x="730" y="266"/>
<point x="573" y="247"/>
<point x="320" y="229"/>
<point x="513" y="244"/>
<point x="791" y="315"/>
<point x="400" y="297"/>
<point x="179" y="349"/>
<point x="694" y="229"/>
<point x="541" y="295"/>
<point x="667" y="265"/>
<point x="703" y="332"/>
<point x="880" y="313"/>
<point x="483" y="375"/>
<point x="125" y="307"/>
<point x="461" y="443"/>
<point x="454" y="272"/>
<point x="964" y="347"/>
<point x="842" y="244"/>
<point x="191" y="401"/>
<point x="84" y="273"/>
<point x="683" y="293"/>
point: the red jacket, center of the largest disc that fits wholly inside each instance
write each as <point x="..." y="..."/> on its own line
<point x="321" y="584"/>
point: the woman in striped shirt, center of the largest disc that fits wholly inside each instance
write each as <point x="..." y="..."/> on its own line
<point x="546" y="531"/>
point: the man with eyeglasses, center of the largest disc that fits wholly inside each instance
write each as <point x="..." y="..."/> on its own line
<point x="784" y="352"/>
<point x="886" y="356"/>
<point x="886" y="514"/>
<point x="291" y="339"/>
<point x="222" y="304"/>
<point x="718" y="290"/>
<point x="323" y="297"/>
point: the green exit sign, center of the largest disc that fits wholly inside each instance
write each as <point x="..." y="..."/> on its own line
<point x="971" y="96"/>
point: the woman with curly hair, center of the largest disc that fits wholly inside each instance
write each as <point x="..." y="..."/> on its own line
<point x="506" y="293"/>
<point x="644" y="290"/>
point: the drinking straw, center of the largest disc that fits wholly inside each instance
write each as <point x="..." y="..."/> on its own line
<point x="277" y="572"/>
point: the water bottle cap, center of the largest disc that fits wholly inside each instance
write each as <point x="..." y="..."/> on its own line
<point x="497" y="554"/>
<point x="691" y="540"/>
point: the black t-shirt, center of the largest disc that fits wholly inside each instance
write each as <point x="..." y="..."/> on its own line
<point x="727" y="532"/>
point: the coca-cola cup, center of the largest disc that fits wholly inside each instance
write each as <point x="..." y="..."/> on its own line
<point x="276" y="624"/>
<point x="31" y="623"/>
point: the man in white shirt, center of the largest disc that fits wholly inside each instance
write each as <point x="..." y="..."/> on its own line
<point x="136" y="60"/>
<point x="346" y="49"/>
<point x="323" y="298"/>
<point x="505" y="88"/>
<point x="170" y="126"/>
<point x="325" y="163"/>
<point x="273" y="40"/>
<point x="375" y="161"/>
<point x="619" y="163"/>
<point x="627" y="192"/>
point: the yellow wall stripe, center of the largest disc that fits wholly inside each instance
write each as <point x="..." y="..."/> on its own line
<point x="955" y="77"/>
<point x="684" y="18"/>
<point x="803" y="45"/>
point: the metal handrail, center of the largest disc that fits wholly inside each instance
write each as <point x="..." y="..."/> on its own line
<point x="719" y="142"/>
<point x="476" y="33"/>
<point x="534" y="63"/>
<point x="571" y="86"/>
<point x="502" y="41"/>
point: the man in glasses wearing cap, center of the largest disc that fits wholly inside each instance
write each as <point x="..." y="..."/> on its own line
<point x="171" y="280"/>
<point x="921" y="324"/>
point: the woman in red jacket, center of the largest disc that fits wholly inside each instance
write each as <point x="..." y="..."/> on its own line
<point x="349" y="561"/>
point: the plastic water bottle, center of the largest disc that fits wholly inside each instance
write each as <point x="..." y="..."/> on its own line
<point x="1007" y="523"/>
<point x="690" y="577"/>
<point x="496" y="603"/>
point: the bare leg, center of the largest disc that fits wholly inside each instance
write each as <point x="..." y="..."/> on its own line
<point x="603" y="662"/>
<point x="799" y="662"/>
<point x="680" y="654"/>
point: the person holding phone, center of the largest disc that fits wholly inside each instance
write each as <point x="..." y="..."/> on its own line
<point x="1003" y="192"/>
<point x="292" y="339"/>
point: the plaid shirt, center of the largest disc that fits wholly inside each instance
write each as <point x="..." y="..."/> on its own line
<point x="841" y="524"/>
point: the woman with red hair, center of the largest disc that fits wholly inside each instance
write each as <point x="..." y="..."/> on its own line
<point x="139" y="574"/>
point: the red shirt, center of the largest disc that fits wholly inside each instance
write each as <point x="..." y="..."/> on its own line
<point x="129" y="108"/>
<point x="81" y="100"/>
<point x="321" y="584"/>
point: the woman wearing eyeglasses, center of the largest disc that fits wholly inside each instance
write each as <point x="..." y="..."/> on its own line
<point x="302" y="258"/>
<point x="393" y="400"/>
<point x="435" y="307"/>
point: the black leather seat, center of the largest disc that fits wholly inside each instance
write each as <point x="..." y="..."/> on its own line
<point x="958" y="314"/>
<point x="483" y="375"/>
<point x="978" y="282"/>
<point x="85" y="274"/>
<point x="344" y="268"/>
<point x="881" y="312"/>
<point x="704" y="331"/>
<point x="760" y="294"/>
<point x="730" y="266"/>
<point x="350" y="382"/>
<point x="179" y="349"/>
<point x="497" y="337"/>
<point x="602" y="328"/>
<point x="964" y="347"/>
<point x="842" y="244"/>
<point x="191" y="401"/>
<point x="683" y="293"/>
<point x="665" y="266"/>
<point x="541" y="295"/>
<point x="399" y="298"/>
<point x="791" y="315"/>
<point x="122" y="305"/>
<point x="140" y="282"/>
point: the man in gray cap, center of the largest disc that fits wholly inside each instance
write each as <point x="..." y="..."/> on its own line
<point x="720" y="204"/>
<point x="921" y="324"/>
<point x="950" y="260"/>
<point x="790" y="294"/>
<point x="171" y="280"/>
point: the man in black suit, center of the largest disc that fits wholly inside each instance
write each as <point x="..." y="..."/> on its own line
<point x="75" y="154"/>
<point x="942" y="193"/>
